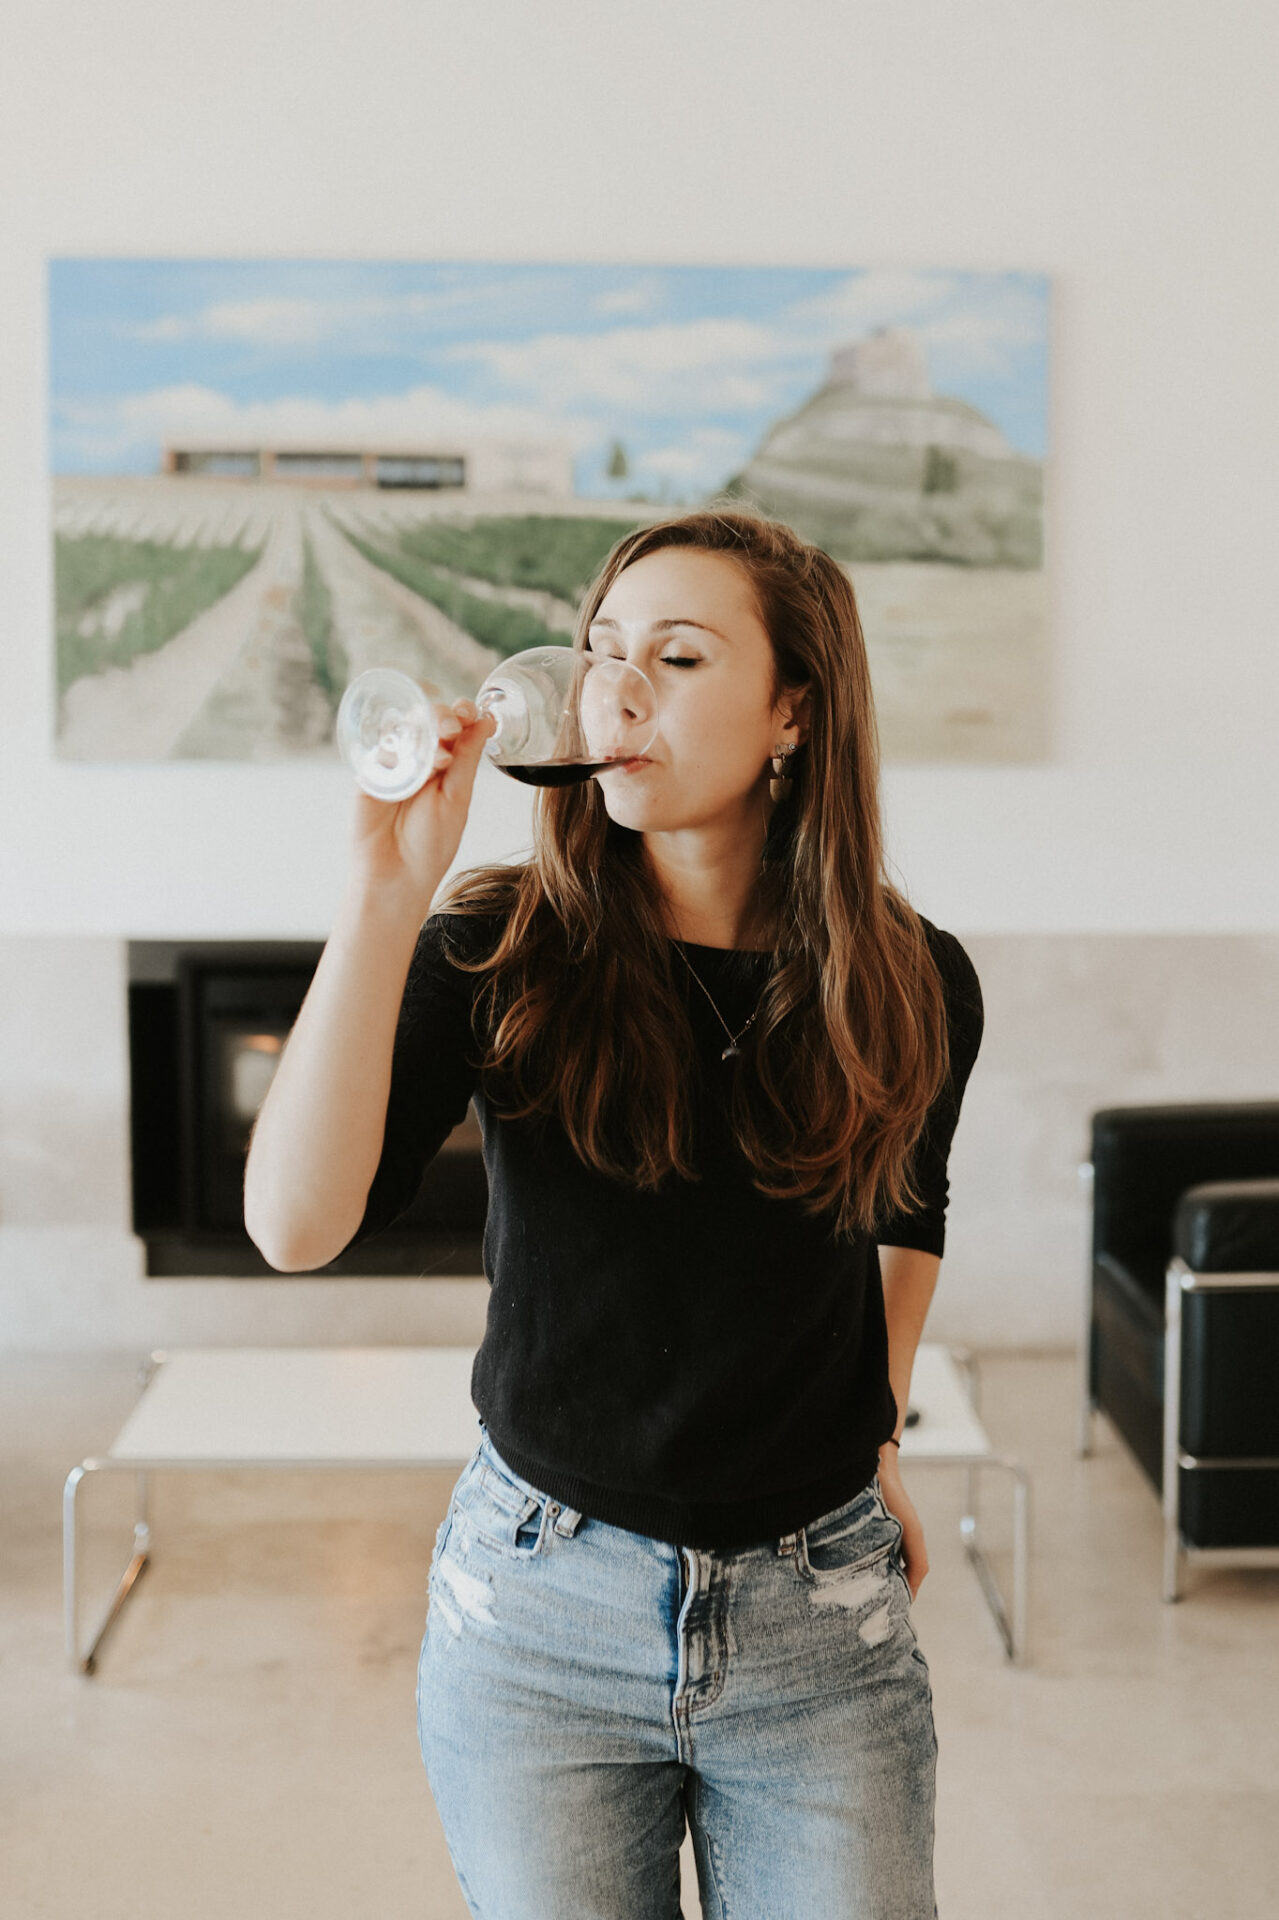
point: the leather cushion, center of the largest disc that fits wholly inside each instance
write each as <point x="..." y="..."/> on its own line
<point x="1144" y="1159"/>
<point x="1229" y="1226"/>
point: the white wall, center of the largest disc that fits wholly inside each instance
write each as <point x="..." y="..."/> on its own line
<point x="1127" y="149"/>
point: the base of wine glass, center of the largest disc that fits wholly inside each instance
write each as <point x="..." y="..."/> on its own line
<point x="397" y="765"/>
<point x="386" y="733"/>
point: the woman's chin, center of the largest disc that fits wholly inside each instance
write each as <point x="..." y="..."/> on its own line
<point x="633" y="810"/>
<point x="653" y="813"/>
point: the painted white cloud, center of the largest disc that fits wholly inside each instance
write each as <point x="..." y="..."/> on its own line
<point x="289" y="321"/>
<point x="973" y="320"/>
<point x="978" y="337"/>
<point x="355" y="321"/>
<point x="115" y="429"/>
<point x="727" y="365"/>
<point x="712" y="364"/>
<point x="705" y="366"/>
<point x="702" y="460"/>
<point x="879" y="297"/>
<point x="638" y="296"/>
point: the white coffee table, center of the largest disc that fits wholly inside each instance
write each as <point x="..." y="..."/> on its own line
<point x="313" y="1407"/>
<point x="944" y="1391"/>
<point x="276" y="1407"/>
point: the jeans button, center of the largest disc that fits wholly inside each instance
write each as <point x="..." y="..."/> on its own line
<point x="553" y="1508"/>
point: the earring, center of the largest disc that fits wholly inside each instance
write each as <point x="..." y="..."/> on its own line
<point x="780" y="785"/>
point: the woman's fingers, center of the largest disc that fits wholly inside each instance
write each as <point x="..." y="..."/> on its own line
<point x="914" y="1553"/>
<point x="452" y="725"/>
<point x="914" y="1558"/>
<point x="447" y="728"/>
<point x="464" y="752"/>
<point x="456" y="758"/>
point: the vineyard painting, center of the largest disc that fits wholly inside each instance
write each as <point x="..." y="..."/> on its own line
<point x="270" y="475"/>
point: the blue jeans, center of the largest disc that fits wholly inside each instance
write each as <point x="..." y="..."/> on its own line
<point x="583" y="1691"/>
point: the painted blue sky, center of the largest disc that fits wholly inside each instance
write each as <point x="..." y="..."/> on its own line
<point x="686" y="366"/>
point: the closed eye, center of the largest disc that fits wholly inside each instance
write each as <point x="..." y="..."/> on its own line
<point x="680" y="660"/>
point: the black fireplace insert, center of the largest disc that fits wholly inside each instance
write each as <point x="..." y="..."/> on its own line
<point x="207" y="1023"/>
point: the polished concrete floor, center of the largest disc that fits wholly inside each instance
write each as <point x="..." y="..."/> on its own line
<point x="247" y="1749"/>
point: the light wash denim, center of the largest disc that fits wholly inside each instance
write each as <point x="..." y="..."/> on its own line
<point x="584" y="1690"/>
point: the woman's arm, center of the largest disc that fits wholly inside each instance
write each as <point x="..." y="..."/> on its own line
<point x="912" y="1241"/>
<point x="318" y="1137"/>
<point x="910" y="1279"/>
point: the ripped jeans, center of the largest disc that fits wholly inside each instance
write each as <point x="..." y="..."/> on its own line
<point x="584" y="1691"/>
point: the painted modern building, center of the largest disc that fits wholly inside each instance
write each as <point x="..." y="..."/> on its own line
<point x="482" y="467"/>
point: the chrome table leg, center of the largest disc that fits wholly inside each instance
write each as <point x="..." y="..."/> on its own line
<point x="85" y="1663"/>
<point x="1011" y="1624"/>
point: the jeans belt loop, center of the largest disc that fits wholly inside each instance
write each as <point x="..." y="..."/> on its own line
<point x="567" y="1521"/>
<point x="788" y="1543"/>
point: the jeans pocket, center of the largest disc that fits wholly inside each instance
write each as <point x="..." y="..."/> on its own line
<point x="502" y="1514"/>
<point x="852" y="1538"/>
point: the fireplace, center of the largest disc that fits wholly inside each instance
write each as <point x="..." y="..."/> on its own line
<point x="207" y="1023"/>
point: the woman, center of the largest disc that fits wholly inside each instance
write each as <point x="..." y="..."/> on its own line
<point x="718" y="1061"/>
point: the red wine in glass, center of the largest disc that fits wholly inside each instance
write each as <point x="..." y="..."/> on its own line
<point x="554" y="773"/>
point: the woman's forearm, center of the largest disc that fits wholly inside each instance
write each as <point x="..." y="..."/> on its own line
<point x="910" y="1279"/>
<point x="318" y="1136"/>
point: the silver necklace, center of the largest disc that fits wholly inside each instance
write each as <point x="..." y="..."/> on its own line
<point x="732" y="1050"/>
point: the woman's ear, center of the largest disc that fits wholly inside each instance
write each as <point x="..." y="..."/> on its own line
<point x="794" y="709"/>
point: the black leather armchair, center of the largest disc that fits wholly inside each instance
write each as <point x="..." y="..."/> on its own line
<point x="1182" y="1343"/>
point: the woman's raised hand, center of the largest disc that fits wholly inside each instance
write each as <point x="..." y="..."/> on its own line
<point x="319" y="1132"/>
<point x="408" y="845"/>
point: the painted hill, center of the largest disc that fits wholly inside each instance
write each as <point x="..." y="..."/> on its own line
<point x="875" y="466"/>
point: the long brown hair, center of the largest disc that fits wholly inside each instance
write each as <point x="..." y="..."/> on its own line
<point x="583" y="1014"/>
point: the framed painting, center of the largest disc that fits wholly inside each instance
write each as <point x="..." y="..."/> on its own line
<point x="268" y="475"/>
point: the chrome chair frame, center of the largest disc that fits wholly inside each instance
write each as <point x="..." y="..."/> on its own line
<point x="1182" y="1280"/>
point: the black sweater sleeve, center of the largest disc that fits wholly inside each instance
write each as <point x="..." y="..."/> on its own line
<point x="433" y="1069"/>
<point x="925" y="1227"/>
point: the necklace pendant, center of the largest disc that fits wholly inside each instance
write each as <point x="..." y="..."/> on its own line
<point x="731" y="1052"/>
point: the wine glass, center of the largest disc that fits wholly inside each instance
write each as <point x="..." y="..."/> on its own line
<point x="561" y="717"/>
